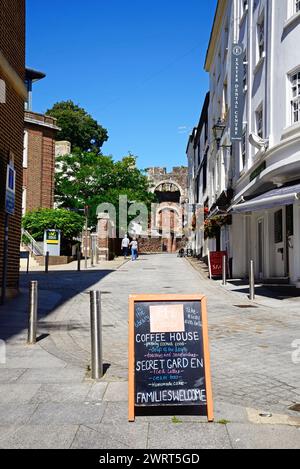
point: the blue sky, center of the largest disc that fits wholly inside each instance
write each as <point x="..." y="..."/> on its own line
<point x="135" y="65"/>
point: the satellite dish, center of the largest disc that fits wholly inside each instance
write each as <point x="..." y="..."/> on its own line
<point x="258" y="142"/>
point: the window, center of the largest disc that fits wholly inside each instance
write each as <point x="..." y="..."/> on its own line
<point x="244" y="6"/>
<point x="25" y="150"/>
<point x="245" y="72"/>
<point x="259" y="122"/>
<point x="244" y="148"/>
<point x="290" y="220"/>
<point x="295" y="80"/>
<point x="219" y="66"/>
<point x="24" y="200"/>
<point x="261" y="38"/>
<point x="297" y="6"/>
<point x="204" y="170"/>
<point x="278" y="227"/>
<point x="225" y="101"/>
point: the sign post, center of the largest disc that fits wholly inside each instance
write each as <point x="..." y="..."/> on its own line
<point x="9" y="210"/>
<point x="52" y="241"/>
<point x="169" y="360"/>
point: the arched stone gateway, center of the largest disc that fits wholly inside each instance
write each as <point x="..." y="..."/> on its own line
<point x="171" y="191"/>
<point x="167" y="220"/>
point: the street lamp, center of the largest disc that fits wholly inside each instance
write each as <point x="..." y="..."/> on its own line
<point x="218" y="130"/>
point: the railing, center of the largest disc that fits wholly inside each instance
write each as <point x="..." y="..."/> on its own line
<point x="33" y="246"/>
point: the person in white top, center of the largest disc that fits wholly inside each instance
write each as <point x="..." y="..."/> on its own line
<point x="125" y="246"/>
<point x="134" y="249"/>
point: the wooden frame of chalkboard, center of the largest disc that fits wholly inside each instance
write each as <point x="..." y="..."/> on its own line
<point x="163" y="301"/>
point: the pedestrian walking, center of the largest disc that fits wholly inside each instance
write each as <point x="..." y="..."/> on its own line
<point x="125" y="246"/>
<point x="134" y="249"/>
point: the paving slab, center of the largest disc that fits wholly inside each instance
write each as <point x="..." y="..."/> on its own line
<point x="8" y="375"/>
<point x="249" y="436"/>
<point x="27" y="357"/>
<point x="229" y="412"/>
<point x="17" y="393"/>
<point x="96" y="392"/>
<point x="61" y="393"/>
<point x="39" y="437"/>
<point x="188" y="436"/>
<point x="53" y="375"/>
<point x="12" y="414"/>
<point x="68" y="414"/>
<point x="112" y="436"/>
<point x="116" y="392"/>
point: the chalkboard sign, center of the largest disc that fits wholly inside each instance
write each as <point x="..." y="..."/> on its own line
<point x="168" y="352"/>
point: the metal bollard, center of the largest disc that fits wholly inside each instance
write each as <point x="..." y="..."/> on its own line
<point x="92" y="257"/>
<point x="33" y="305"/>
<point x="252" y="282"/>
<point x="96" y="335"/>
<point x="78" y="260"/>
<point x="224" y="270"/>
<point x="47" y="262"/>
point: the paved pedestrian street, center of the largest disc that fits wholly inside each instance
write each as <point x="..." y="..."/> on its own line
<point x="47" y="397"/>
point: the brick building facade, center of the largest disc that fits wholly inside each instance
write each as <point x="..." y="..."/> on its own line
<point x="39" y="153"/>
<point x="39" y="161"/>
<point x="12" y="75"/>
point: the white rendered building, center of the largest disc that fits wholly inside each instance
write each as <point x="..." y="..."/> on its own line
<point x="257" y="179"/>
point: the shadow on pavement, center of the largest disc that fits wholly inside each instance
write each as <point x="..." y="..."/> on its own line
<point x="276" y="292"/>
<point x="54" y="289"/>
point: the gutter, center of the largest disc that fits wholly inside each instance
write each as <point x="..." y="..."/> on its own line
<point x="13" y="79"/>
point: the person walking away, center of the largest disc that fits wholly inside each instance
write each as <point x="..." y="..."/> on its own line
<point x="125" y="246"/>
<point x="134" y="249"/>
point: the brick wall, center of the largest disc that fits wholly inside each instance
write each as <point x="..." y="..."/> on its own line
<point x="39" y="174"/>
<point x="12" y="45"/>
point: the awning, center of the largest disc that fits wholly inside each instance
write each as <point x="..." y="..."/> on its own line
<point x="272" y="199"/>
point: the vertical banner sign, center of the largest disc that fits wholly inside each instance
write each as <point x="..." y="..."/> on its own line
<point x="169" y="362"/>
<point x="237" y="92"/>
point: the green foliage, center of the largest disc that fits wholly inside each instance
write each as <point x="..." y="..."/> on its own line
<point x="37" y="221"/>
<point x="176" y="420"/>
<point x="213" y="225"/>
<point x="87" y="178"/>
<point x="78" y="127"/>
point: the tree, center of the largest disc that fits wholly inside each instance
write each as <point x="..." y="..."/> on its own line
<point x="37" y="221"/>
<point x="92" y="178"/>
<point x="78" y="127"/>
